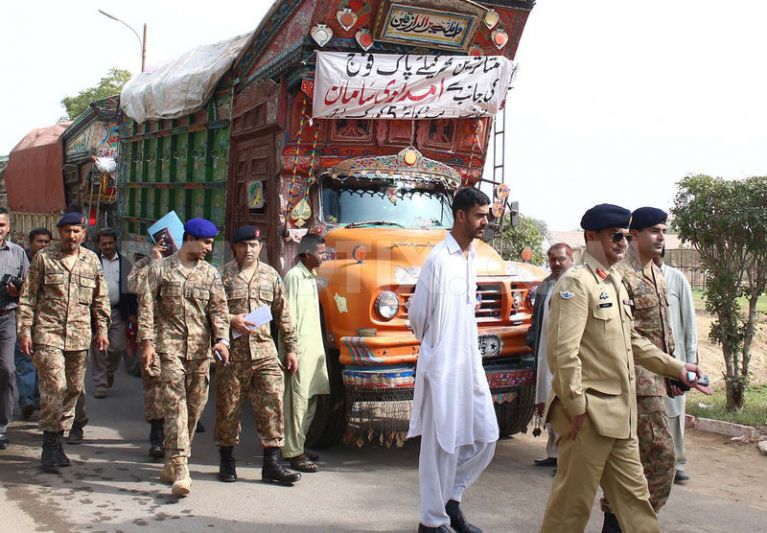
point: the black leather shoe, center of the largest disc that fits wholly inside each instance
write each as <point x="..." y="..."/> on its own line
<point x="426" y="529"/>
<point x="4" y="442"/>
<point x="457" y="521"/>
<point x="611" y="524"/>
<point x="227" y="468"/>
<point x="273" y="470"/>
<point x="681" y="477"/>
<point x="49" y="458"/>
<point x="156" y="438"/>
<point x="549" y="461"/>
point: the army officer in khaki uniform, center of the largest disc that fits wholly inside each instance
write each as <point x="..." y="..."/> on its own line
<point x="591" y="353"/>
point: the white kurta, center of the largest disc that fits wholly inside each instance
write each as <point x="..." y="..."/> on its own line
<point x="443" y="318"/>
<point x="683" y="327"/>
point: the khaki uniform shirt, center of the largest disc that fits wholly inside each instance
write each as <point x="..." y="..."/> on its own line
<point x="592" y="347"/>
<point x="243" y="296"/>
<point x="59" y="306"/>
<point x="646" y="289"/>
<point x="186" y="307"/>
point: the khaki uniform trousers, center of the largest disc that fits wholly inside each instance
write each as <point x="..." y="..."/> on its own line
<point x="586" y="463"/>
<point x="185" y="392"/>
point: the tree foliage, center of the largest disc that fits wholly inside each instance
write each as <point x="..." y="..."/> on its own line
<point x="726" y="221"/>
<point x="109" y="85"/>
<point x="529" y="232"/>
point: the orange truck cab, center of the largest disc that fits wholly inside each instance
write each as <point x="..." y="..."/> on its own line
<point x="378" y="185"/>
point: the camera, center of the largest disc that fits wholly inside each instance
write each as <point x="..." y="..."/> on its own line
<point x="9" y="279"/>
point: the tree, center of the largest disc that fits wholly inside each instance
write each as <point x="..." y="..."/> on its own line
<point x="529" y="232"/>
<point x="726" y="222"/>
<point x="109" y="85"/>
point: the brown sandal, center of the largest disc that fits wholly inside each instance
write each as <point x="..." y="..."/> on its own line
<point x="302" y="464"/>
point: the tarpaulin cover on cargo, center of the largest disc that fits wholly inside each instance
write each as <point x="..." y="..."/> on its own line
<point x="181" y="86"/>
<point x="34" y="177"/>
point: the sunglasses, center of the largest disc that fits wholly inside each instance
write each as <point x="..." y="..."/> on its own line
<point x="618" y="236"/>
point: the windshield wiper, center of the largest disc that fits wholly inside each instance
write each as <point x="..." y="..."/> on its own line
<point x="374" y="223"/>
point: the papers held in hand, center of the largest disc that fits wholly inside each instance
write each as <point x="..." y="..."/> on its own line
<point x="259" y="316"/>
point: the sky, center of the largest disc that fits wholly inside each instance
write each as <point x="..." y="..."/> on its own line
<point x="614" y="101"/>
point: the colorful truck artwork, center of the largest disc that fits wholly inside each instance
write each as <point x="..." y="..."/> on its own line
<point x="356" y="120"/>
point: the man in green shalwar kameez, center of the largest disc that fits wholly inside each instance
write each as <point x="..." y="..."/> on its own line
<point x="311" y="379"/>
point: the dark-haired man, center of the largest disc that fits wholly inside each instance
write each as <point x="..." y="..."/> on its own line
<point x="14" y="265"/>
<point x="123" y="304"/>
<point x="182" y="315"/>
<point x="26" y="375"/>
<point x="452" y="406"/>
<point x="592" y="347"/>
<point x="254" y="371"/>
<point x="311" y="378"/>
<point x="64" y="298"/>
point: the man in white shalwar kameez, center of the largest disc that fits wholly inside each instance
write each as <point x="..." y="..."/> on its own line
<point x="681" y="314"/>
<point x="452" y="406"/>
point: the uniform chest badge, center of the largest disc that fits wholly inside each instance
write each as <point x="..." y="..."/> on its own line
<point x="604" y="296"/>
<point x="566" y="295"/>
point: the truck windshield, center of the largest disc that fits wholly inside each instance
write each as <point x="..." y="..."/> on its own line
<point x="381" y="204"/>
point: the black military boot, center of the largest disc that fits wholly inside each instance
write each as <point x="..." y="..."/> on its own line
<point x="49" y="457"/>
<point x="273" y="470"/>
<point x="227" y="468"/>
<point x="75" y="434"/>
<point x="611" y="524"/>
<point x="60" y="455"/>
<point x="156" y="438"/>
<point x="457" y="520"/>
<point x="426" y="529"/>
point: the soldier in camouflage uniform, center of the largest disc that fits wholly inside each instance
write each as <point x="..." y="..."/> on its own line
<point x="64" y="296"/>
<point x="254" y="371"/>
<point x="647" y="291"/>
<point x="151" y="375"/>
<point x="191" y="317"/>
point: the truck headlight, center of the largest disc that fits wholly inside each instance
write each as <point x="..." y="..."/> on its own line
<point x="387" y="305"/>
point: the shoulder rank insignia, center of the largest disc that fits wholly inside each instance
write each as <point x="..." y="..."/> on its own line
<point x="566" y="295"/>
<point x="601" y="273"/>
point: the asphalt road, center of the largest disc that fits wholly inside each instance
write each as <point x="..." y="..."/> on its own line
<point x="114" y="486"/>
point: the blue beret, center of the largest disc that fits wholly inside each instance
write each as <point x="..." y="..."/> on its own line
<point x="200" y="228"/>
<point x="70" y="219"/>
<point x="647" y="217"/>
<point x="606" y="216"/>
<point x="247" y="233"/>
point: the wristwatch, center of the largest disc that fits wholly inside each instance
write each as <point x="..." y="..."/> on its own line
<point x="225" y="342"/>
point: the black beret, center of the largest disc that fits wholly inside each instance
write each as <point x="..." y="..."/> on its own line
<point x="247" y="233"/>
<point x="200" y="228"/>
<point x="647" y="217"/>
<point x="72" y="218"/>
<point x="605" y="216"/>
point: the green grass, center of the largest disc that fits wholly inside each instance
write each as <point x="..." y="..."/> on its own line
<point x="700" y="303"/>
<point x="754" y="412"/>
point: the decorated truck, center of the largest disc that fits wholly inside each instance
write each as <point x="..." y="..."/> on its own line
<point x="358" y="120"/>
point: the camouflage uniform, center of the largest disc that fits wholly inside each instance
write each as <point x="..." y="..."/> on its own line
<point x="191" y="313"/>
<point x="150" y="377"/>
<point x="254" y="370"/>
<point x="58" y="308"/>
<point x="647" y="290"/>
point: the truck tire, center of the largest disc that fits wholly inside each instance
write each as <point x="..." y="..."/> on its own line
<point x="332" y="415"/>
<point x="514" y="416"/>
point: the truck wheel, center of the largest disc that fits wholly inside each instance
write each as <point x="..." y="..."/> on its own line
<point x="332" y="415"/>
<point x="514" y="416"/>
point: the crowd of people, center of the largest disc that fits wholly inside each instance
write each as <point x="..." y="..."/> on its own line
<point x="609" y="423"/>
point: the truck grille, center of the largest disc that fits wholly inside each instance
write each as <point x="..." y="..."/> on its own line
<point x="491" y="293"/>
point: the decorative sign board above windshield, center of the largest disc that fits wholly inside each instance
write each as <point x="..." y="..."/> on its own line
<point x="386" y="86"/>
<point x="447" y="27"/>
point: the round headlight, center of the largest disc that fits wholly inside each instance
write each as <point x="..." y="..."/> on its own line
<point x="387" y="305"/>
